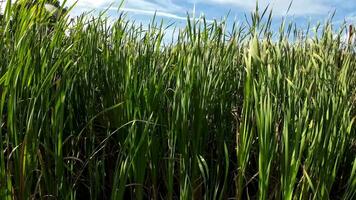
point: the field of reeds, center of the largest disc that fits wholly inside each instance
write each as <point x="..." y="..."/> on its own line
<point x="92" y="109"/>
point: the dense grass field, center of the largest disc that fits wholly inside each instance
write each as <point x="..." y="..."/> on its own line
<point x="97" y="110"/>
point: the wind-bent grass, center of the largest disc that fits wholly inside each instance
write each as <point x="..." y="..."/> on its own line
<point x="97" y="110"/>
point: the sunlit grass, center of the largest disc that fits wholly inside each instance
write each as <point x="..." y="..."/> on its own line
<point x="99" y="110"/>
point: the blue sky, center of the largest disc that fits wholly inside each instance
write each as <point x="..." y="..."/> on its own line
<point x="175" y="10"/>
<point x="302" y="11"/>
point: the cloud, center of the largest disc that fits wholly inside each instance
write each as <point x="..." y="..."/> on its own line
<point x="89" y="3"/>
<point x="159" y="5"/>
<point x="351" y="19"/>
<point x="154" y="5"/>
<point x="280" y="7"/>
<point x="158" y="13"/>
<point x="152" y="12"/>
<point x="164" y="8"/>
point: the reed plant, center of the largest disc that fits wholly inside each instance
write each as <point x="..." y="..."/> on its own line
<point x="94" y="109"/>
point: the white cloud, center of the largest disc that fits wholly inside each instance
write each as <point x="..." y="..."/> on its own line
<point x="158" y="13"/>
<point x="90" y="3"/>
<point x="152" y="12"/>
<point x="348" y="19"/>
<point x="351" y="19"/>
<point x="158" y="5"/>
<point x="280" y="7"/>
<point x="164" y="8"/>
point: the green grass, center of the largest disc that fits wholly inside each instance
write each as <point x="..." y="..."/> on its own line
<point x="99" y="110"/>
